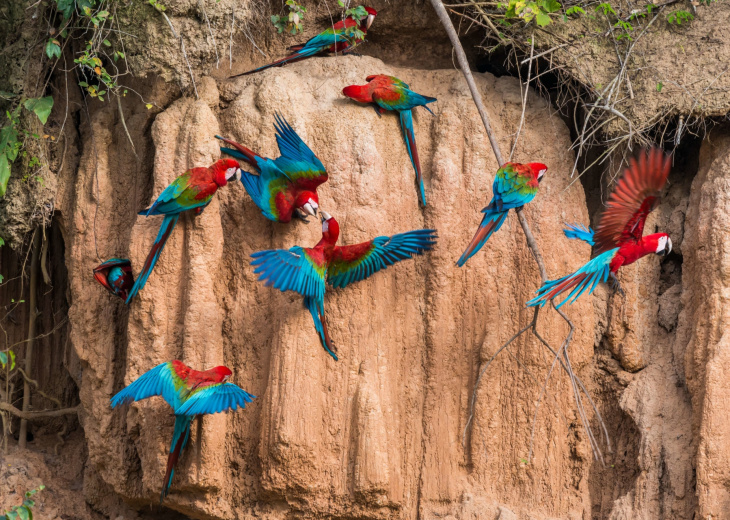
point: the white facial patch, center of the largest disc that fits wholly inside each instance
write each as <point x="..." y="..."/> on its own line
<point x="230" y="172"/>
<point x="325" y="226"/>
<point x="662" y="244"/>
<point x="541" y="173"/>
<point x="313" y="204"/>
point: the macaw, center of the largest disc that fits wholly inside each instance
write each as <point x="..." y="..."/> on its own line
<point x="389" y="93"/>
<point x="116" y="276"/>
<point x="190" y="393"/>
<point x="305" y="270"/>
<point x="342" y="37"/>
<point x="194" y="189"/>
<point x="286" y="186"/>
<point x="618" y="238"/>
<point x="514" y="186"/>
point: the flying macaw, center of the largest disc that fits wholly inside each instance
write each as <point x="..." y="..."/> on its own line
<point x="514" y="186"/>
<point x="190" y="393"/>
<point x="116" y="276"/>
<point x="618" y="238"/>
<point x="194" y="189"/>
<point x="305" y="270"/>
<point x="389" y="93"/>
<point x="286" y="186"/>
<point x="342" y="37"/>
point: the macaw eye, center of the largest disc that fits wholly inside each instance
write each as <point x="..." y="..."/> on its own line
<point x="541" y="172"/>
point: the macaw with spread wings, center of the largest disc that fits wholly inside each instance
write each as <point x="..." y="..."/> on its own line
<point x="618" y="238"/>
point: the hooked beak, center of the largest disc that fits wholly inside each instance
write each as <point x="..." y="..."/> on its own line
<point x="324" y="215"/>
<point x="369" y="21"/>
<point x="231" y="172"/>
<point x="667" y="248"/>
<point x="309" y="209"/>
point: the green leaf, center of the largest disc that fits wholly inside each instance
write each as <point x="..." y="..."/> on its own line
<point x="3" y="359"/>
<point x="7" y="95"/>
<point x="8" y="138"/>
<point x="659" y="86"/>
<point x="2" y="243"/>
<point x="542" y="18"/>
<point x="106" y="42"/>
<point x="53" y="50"/>
<point x="551" y="6"/>
<point x="4" y="174"/>
<point x="66" y="8"/>
<point x="12" y="515"/>
<point x="41" y="107"/>
<point x="24" y="513"/>
<point x="576" y="9"/>
<point x="12" y="359"/>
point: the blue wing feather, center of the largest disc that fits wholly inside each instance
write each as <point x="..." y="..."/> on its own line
<point x="214" y="399"/>
<point x="158" y="381"/>
<point x="579" y="232"/>
<point x="290" y="270"/>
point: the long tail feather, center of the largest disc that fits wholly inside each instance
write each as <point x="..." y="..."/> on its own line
<point x="240" y="152"/>
<point x="316" y="309"/>
<point x="406" y="123"/>
<point x="168" y="224"/>
<point x="491" y="222"/>
<point x="278" y="63"/>
<point x="585" y="278"/>
<point x="179" y="440"/>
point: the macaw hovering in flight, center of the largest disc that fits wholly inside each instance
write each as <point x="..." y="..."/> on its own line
<point x="341" y="38"/>
<point x="194" y="189"/>
<point x="305" y="270"/>
<point x="190" y="393"/>
<point x="389" y="93"/>
<point x="514" y="186"/>
<point x="116" y="276"/>
<point x="286" y="186"/>
<point x="619" y="236"/>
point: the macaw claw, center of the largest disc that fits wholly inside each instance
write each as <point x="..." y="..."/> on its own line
<point x="616" y="286"/>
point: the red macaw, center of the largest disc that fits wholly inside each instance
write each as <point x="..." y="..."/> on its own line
<point x="286" y="186"/>
<point x="305" y="270"/>
<point x="514" y="186"/>
<point x="116" y="276"/>
<point x="342" y="37"/>
<point x="619" y="236"/>
<point x="190" y="393"/>
<point x="194" y="189"/>
<point x="390" y="93"/>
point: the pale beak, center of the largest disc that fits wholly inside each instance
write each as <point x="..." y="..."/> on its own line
<point x="668" y="249"/>
<point x="369" y="21"/>
<point x="238" y="174"/>
<point x="309" y="209"/>
<point x="325" y="215"/>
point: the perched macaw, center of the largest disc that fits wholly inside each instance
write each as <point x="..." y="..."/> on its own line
<point x="305" y="270"/>
<point x="618" y="238"/>
<point x="286" y="186"/>
<point x="514" y="186"/>
<point x="116" y="276"/>
<point x="342" y="37"/>
<point x="389" y="93"/>
<point x="190" y="393"/>
<point x="194" y="189"/>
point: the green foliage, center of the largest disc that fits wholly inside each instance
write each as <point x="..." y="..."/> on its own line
<point x="292" y="23"/>
<point x="24" y="510"/>
<point x="10" y="143"/>
<point x="527" y="10"/>
<point x="53" y="48"/>
<point x="678" y="17"/>
<point x="659" y="86"/>
<point x="7" y="357"/>
<point x="157" y="5"/>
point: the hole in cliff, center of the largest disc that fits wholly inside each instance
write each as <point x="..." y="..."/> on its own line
<point x="54" y="364"/>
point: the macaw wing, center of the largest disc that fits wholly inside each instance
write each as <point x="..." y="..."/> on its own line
<point x="325" y="39"/>
<point x="171" y="193"/>
<point x="393" y="97"/>
<point x="514" y="185"/>
<point x="215" y="398"/>
<point x="635" y="196"/>
<point x="161" y="380"/>
<point x="297" y="160"/>
<point x="296" y="269"/>
<point x="388" y="79"/>
<point x="357" y="262"/>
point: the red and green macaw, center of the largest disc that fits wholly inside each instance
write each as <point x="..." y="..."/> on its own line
<point x="342" y="37"/>
<point x="116" y="276"/>
<point x="190" y="393"/>
<point x="194" y="189"/>
<point x="389" y="93"/>
<point x="305" y="270"/>
<point x="286" y="186"/>
<point x="618" y="239"/>
<point x="514" y="186"/>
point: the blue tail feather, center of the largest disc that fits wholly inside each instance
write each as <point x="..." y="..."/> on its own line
<point x="579" y="232"/>
<point x="316" y="308"/>
<point x="168" y="224"/>
<point x="491" y="222"/>
<point x="406" y="121"/>
<point x="179" y="440"/>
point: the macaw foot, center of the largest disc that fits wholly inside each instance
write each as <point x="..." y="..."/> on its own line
<point x="615" y="285"/>
<point x="199" y="210"/>
<point x="298" y="213"/>
<point x="377" y="111"/>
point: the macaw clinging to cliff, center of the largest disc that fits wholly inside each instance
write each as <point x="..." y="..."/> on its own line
<point x="514" y="186"/>
<point x="389" y="93"/>
<point x="618" y="238"/>
<point x="305" y="270"/>
<point x="342" y="37"/>
<point x="190" y="393"/>
<point x="286" y="186"/>
<point x="116" y="276"/>
<point x="194" y="189"/>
